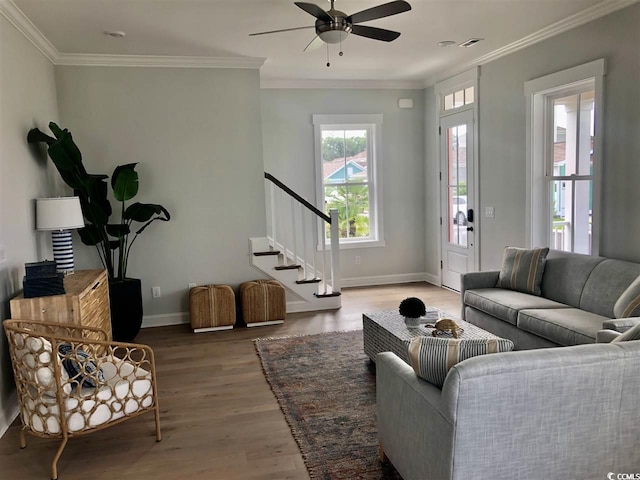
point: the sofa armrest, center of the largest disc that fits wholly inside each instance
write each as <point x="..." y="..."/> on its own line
<point x="414" y="425"/>
<point x="606" y="336"/>
<point x="473" y="280"/>
<point x="620" y="325"/>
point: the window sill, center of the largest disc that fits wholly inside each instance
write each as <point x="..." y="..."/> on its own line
<point x="360" y="244"/>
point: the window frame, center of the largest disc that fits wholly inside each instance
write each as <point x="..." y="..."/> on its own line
<point x="540" y="92"/>
<point x="372" y="123"/>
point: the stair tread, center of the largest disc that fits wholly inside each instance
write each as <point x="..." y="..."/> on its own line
<point x="268" y="252"/>
<point x="287" y="267"/>
<point x="327" y="295"/>
<point x="311" y="280"/>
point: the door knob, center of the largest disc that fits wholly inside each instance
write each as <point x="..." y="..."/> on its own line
<point x="469" y="229"/>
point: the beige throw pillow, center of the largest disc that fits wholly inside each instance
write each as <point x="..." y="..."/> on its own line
<point x="628" y="305"/>
<point x="522" y="269"/>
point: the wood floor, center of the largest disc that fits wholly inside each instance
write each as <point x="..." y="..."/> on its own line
<point x="220" y="420"/>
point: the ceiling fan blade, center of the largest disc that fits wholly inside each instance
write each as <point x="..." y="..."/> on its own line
<point x="375" y="33"/>
<point x="315" y="10"/>
<point x="385" y="10"/>
<point x="314" y="44"/>
<point x="278" y="31"/>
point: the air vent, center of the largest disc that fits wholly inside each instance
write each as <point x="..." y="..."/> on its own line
<point x="471" y="42"/>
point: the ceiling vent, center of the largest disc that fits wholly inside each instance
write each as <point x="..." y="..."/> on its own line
<point x="471" y="42"/>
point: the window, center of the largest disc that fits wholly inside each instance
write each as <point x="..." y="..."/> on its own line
<point x="458" y="99"/>
<point x="564" y="158"/>
<point x="346" y="148"/>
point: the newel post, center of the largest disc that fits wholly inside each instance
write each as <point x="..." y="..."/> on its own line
<point x="335" y="251"/>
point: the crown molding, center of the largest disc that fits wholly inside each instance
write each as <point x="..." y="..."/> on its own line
<point x="81" y="59"/>
<point x="14" y="15"/>
<point x="585" y="16"/>
<point x="274" y="83"/>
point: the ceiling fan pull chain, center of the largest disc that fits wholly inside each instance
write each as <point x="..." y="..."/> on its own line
<point x="340" y="53"/>
<point x="328" y="64"/>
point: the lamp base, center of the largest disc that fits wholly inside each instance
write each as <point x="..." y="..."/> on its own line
<point x="62" y="251"/>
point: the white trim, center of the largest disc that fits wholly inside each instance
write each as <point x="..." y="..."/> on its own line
<point x="18" y="19"/>
<point x="9" y="413"/>
<point x="212" y="329"/>
<point x="433" y="279"/>
<point x="165" y="319"/>
<point x="384" y="279"/>
<point x="158" y="61"/>
<point x="347" y="119"/>
<point x="573" y="21"/>
<point x="565" y="78"/>
<point x="275" y="83"/>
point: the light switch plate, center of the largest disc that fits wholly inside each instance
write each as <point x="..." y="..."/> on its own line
<point x="490" y="212"/>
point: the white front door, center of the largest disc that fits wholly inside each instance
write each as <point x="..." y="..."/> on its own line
<point x="457" y="214"/>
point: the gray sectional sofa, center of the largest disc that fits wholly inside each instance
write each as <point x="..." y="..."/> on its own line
<point x="578" y="296"/>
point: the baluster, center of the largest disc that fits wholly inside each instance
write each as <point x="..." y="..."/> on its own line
<point x="304" y="243"/>
<point x="273" y="213"/>
<point x="293" y="231"/>
<point x="324" y="256"/>
<point x="335" y="252"/>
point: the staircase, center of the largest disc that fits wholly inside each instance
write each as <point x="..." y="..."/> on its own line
<point x="291" y="255"/>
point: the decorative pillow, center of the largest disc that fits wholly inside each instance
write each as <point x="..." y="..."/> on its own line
<point x="80" y="367"/>
<point x="631" y="334"/>
<point x="433" y="357"/>
<point x="628" y="305"/>
<point x="522" y="269"/>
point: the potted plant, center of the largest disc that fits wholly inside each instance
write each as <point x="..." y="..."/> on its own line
<point x="113" y="240"/>
<point x="412" y="309"/>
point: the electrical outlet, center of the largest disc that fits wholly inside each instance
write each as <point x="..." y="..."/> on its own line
<point x="191" y="285"/>
<point x="358" y="260"/>
<point x="155" y="292"/>
<point x="489" y="212"/>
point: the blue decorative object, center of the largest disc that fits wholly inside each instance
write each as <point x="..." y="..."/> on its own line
<point x="83" y="371"/>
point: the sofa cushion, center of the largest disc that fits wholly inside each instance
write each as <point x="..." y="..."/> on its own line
<point x="565" y="326"/>
<point x="522" y="269"/>
<point x="432" y="357"/>
<point x="565" y="275"/>
<point x="628" y="305"/>
<point x="606" y="284"/>
<point x="505" y="304"/>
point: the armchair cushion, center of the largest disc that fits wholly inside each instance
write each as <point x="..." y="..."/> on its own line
<point x="433" y="357"/>
<point x="522" y="269"/>
<point x="80" y="367"/>
<point x="628" y="305"/>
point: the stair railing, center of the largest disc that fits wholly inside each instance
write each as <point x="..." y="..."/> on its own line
<point x="293" y="225"/>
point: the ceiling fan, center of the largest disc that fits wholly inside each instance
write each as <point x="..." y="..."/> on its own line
<point x="333" y="26"/>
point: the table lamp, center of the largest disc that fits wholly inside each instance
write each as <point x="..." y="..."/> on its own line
<point x="59" y="215"/>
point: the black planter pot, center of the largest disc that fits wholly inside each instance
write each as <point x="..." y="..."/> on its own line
<point x="125" y="298"/>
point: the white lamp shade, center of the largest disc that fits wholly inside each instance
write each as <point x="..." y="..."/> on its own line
<point x="61" y="213"/>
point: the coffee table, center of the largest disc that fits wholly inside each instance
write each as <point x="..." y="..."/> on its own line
<point x="387" y="332"/>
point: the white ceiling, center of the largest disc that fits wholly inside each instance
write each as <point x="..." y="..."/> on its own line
<point x="220" y="28"/>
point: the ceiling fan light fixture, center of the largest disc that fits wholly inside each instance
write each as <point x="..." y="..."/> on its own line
<point x="333" y="36"/>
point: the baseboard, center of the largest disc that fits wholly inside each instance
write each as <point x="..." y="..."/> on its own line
<point x="298" y="306"/>
<point x="8" y="414"/>
<point x="432" y="279"/>
<point x="384" y="279"/>
<point x="165" y="319"/>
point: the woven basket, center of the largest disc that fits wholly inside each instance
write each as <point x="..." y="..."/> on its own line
<point x="212" y="307"/>
<point x="263" y="301"/>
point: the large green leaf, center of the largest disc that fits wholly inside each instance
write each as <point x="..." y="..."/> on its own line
<point x="118" y="230"/>
<point x="142" y="212"/>
<point x="90" y="235"/>
<point x="124" y="182"/>
<point x="65" y="141"/>
<point x="35" y="136"/>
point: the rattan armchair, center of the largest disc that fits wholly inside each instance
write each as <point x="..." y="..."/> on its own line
<point x="109" y="382"/>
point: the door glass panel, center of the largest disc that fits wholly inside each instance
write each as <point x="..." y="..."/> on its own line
<point x="457" y="185"/>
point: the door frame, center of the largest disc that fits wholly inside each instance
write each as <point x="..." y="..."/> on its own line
<point x="466" y="79"/>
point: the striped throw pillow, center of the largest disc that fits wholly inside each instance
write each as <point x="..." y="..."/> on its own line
<point x="628" y="305"/>
<point x="632" y="334"/>
<point x="433" y="357"/>
<point x="522" y="269"/>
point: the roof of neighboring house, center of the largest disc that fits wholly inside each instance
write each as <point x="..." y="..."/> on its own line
<point x="331" y="167"/>
<point x="559" y="151"/>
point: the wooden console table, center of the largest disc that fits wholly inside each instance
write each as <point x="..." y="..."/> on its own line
<point x="85" y="303"/>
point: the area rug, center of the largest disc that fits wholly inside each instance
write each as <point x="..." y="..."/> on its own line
<point x="326" y="389"/>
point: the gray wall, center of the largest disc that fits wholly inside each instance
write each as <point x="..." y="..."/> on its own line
<point x="27" y="99"/>
<point x="197" y="136"/>
<point x="287" y="130"/>
<point x="502" y="183"/>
